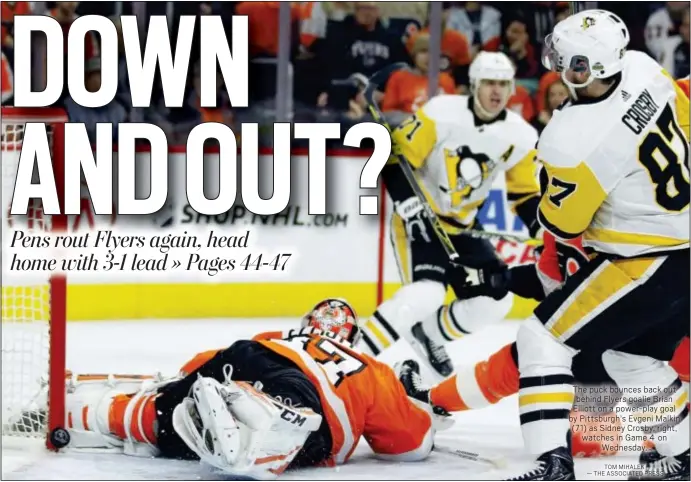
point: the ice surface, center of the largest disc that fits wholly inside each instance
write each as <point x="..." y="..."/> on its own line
<point x="147" y="347"/>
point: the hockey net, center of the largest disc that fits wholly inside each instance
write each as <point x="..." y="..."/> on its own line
<point x="33" y="303"/>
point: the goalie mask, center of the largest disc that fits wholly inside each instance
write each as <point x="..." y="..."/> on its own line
<point x="335" y="316"/>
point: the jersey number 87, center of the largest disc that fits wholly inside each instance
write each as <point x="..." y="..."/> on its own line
<point x="671" y="180"/>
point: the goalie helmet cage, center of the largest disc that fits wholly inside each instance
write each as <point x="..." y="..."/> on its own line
<point x="34" y="305"/>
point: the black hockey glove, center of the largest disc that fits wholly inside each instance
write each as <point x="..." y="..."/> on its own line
<point x="523" y="281"/>
<point x="527" y="211"/>
<point x="491" y="281"/>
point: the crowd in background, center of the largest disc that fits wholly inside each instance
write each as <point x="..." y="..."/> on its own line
<point x="331" y="41"/>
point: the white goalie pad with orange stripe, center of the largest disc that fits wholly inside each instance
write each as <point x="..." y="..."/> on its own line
<point x="112" y="412"/>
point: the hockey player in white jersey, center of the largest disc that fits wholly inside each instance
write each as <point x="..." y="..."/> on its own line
<point x="615" y="158"/>
<point x="458" y="146"/>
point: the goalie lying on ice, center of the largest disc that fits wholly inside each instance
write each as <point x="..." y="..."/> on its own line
<point x="299" y="398"/>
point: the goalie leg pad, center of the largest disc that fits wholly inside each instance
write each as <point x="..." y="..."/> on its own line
<point x="241" y="430"/>
<point x="112" y="412"/>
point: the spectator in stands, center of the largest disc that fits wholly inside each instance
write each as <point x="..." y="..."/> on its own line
<point x="521" y="102"/>
<point x="546" y="80"/>
<point x="455" y="53"/>
<point x="222" y="113"/>
<point x="480" y="24"/>
<point x="119" y="109"/>
<point x="675" y="51"/>
<point x="263" y="25"/>
<point x="555" y="94"/>
<point x="560" y="13"/>
<point x="7" y="12"/>
<point x="314" y="18"/>
<point x="541" y="17"/>
<point x="516" y="44"/>
<point x="7" y="82"/>
<point x="66" y="13"/>
<point x="178" y="122"/>
<point x="359" y="44"/>
<point x="663" y="24"/>
<point x="408" y="90"/>
<point x="404" y="19"/>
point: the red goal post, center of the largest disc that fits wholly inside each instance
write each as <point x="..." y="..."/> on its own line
<point x="33" y="304"/>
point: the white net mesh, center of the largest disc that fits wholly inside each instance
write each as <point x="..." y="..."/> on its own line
<point x="26" y="310"/>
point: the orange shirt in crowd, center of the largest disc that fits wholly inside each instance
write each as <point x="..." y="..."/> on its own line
<point x="522" y="103"/>
<point x="7" y="12"/>
<point x="454" y="45"/>
<point x="313" y="21"/>
<point x="263" y="25"/>
<point x="7" y="82"/>
<point x="407" y="91"/>
<point x="545" y="81"/>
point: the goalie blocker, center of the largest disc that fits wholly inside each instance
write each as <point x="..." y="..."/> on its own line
<point x="299" y="398"/>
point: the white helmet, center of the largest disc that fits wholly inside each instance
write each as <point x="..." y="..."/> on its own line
<point x="591" y="41"/>
<point x="491" y="66"/>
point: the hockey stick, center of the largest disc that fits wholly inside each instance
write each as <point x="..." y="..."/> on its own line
<point x="370" y="88"/>
<point x="491" y="235"/>
<point x="496" y="462"/>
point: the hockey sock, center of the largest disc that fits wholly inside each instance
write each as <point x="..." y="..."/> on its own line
<point x="411" y="303"/>
<point x="377" y="334"/>
<point x="462" y="317"/>
<point x="546" y="391"/>
<point x="481" y="385"/>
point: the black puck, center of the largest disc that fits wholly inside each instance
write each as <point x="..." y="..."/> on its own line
<point x="59" y="437"/>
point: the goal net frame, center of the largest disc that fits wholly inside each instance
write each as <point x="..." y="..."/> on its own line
<point x="13" y="121"/>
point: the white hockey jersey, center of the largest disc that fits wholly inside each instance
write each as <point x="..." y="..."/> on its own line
<point x="458" y="157"/>
<point x="617" y="165"/>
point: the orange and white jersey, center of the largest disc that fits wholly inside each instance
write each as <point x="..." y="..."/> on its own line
<point x="360" y="396"/>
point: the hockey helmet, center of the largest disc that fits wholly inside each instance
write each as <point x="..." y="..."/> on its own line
<point x="591" y="41"/>
<point x="491" y="66"/>
<point x="336" y="316"/>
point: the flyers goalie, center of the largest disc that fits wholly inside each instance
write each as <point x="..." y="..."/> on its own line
<point x="283" y="399"/>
